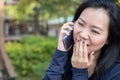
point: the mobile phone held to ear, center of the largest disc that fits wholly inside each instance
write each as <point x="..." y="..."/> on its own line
<point x="68" y="39"/>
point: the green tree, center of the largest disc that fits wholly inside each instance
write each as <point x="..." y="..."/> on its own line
<point x="42" y="10"/>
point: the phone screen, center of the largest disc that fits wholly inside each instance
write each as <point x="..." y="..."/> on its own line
<point x="68" y="40"/>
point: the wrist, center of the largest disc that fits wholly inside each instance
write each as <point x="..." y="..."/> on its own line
<point x="79" y="71"/>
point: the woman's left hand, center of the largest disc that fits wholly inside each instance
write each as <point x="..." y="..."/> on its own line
<point x="80" y="58"/>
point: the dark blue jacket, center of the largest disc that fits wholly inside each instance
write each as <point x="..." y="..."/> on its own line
<point x="61" y="69"/>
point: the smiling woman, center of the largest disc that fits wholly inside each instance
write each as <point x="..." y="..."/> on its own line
<point x="95" y="54"/>
<point x="92" y="29"/>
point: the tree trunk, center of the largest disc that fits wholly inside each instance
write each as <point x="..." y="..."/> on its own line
<point x="7" y="72"/>
<point x="1" y="20"/>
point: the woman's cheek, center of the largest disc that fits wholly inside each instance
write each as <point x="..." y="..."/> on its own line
<point x="97" y="44"/>
<point x="75" y="33"/>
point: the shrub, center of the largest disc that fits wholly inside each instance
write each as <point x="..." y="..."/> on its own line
<point x="32" y="55"/>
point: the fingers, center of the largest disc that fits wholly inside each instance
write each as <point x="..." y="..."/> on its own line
<point x="81" y="52"/>
<point x="74" y="50"/>
<point x="64" y="31"/>
<point x="91" y="57"/>
<point x="66" y="27"/>
<point x="85" y="55"/>
<point x="80" y="55"/>
<point x="68" y="23"/>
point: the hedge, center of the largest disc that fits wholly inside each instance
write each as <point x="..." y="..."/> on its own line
<point x="32" y="55"/>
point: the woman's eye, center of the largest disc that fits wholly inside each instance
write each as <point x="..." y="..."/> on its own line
<point x="94" y="31"/>
<point x="81" y="24"/>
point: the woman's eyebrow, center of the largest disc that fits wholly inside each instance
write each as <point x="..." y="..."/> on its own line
<point x="97" y="27"/>
<point x="82" y="20"/>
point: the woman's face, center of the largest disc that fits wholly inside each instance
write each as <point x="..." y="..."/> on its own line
<point x="92" y="27"/>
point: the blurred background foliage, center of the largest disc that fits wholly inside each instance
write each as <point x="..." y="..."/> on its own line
<point x="32" y="55"/>
<point x="39" y="12"/>
<point x="25" y="9"/>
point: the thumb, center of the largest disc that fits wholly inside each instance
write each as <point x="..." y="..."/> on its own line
<point x="91" y="57"/>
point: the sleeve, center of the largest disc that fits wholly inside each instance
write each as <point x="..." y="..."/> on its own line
<point x="117" y="77"/>
<point x="56" y="68"/>
<point x="80" y="74"/>
<point x="113" y="73"/>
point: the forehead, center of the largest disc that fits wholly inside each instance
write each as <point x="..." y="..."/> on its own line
<point x="95" y="16"/>
<point x="96" y="11"/>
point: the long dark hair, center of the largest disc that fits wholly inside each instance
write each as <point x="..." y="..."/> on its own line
<point x="110" y="52"/>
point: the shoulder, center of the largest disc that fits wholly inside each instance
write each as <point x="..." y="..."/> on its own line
<point x="115" y="71"/>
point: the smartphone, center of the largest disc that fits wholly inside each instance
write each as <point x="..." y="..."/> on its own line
<point x="68" y="39"/>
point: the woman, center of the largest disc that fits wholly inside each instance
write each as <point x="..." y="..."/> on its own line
<point x="96" y="51"/>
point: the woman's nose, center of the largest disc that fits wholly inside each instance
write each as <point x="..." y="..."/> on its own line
<point x="84" y="35"/>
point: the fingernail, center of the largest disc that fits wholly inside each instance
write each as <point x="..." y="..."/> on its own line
<point x="75" y="45"/>
<point x="83" y="41"/>
<point x="93" y="53"/>
<point x="78" y="39"/>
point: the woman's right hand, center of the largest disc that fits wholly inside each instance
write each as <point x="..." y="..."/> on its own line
<point x="64" y="31"/>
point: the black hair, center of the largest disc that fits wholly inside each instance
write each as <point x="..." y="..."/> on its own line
<point x="110" y="52"/>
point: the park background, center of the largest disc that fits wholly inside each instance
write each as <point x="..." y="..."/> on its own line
<point x="31" y="29"/>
